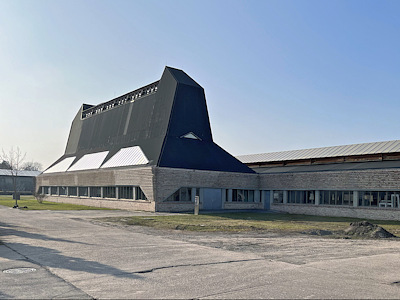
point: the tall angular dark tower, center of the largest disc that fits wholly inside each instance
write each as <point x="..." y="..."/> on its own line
<point x="167" y="119"/>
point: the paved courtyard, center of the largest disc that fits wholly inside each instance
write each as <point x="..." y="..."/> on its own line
<point x="67" y="255"/>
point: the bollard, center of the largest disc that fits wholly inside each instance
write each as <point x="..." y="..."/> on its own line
<point x="196" y="205"/>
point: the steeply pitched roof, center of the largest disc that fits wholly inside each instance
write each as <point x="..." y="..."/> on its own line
<point x="158" y="122"/>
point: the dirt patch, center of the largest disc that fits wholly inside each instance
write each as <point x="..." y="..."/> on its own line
<point x="319" y="232"/>
<point x="367" y="230"/>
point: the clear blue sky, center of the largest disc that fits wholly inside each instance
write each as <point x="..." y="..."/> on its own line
<point x="278" y="75"/>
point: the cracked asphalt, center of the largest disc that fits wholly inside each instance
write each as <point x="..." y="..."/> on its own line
<point x="77" y="257"/>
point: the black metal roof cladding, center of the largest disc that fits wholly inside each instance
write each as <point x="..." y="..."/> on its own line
<point x="155" y="117"/>
<point x="90" y="110"/>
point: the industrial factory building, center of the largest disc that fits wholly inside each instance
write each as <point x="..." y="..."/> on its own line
<point x="152" y="149"/>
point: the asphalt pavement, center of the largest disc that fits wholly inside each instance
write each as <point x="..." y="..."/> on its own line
<point x="52" y="254"/>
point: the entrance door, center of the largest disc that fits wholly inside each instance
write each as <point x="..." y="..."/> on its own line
<point x="212" y="199"/>
<point x="267" y="204"/>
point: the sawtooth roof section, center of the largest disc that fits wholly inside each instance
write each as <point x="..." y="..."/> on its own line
<point x="324" y="152"/>
<point x="61" y="166"/>
<point x="130" y="156"/>
<point x="89" y="161"/>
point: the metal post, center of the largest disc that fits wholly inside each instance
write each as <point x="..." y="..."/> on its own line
<point x="196" y="205"/>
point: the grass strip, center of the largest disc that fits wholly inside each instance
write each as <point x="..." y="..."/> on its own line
<point x="245" y="222"/>
<point x="33" y="204"/>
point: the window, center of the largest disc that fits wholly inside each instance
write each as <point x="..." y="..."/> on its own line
<point x="109" y="192"/>
<point x="125" y="192"/>
<point x="324" y="197"/>
<point x="63" y="190"/>
<point x="239" y="195"/>
<point x="83" y="191"/>
<point x="183" y="194"/>
<point x="310" y="197"/>
<point x="95" y="191"/>
<point x="54" y="190"/>
<point x="72" y="191"/>
<point x="139" y="194"/>
<point x="46" y="190"/>
<point x="278" y="197"/>
<point x="344" y="198"/>
<point x="295" y="197"/>
<point x="191" y="135"/>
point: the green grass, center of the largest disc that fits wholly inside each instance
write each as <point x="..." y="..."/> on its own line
<point x="245" y="222"/>
<point x="33" y="204"/>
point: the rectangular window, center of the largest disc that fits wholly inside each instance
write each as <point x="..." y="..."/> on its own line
<point x="325" y="195"/>
<point x="46" y="190"/>
<point x="54" y="190"/>
<point x="83" y="191"/>
<point x="72" y="191"/>
<point x="63" y="190"/>
<point x="125" y="192"/>
<point x="393" y="200"/>
<point x="278" y="196"/>
<point x="109" y="192"/>
<point x="310" y="197"/>
<point x="367" y="198"/>
<point x="242" y="195"/>
<point x="95" y="191"/>
<point x="291" y="197"/>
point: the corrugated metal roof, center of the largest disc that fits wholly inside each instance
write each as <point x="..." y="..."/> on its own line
<point x="89" y="161"/>
<point x="62" y="166"/>
<point x="23" y="173"/>
<point x="330" y="167"/>
<point x="127" y="157"/>
<point x="335" y="151"/>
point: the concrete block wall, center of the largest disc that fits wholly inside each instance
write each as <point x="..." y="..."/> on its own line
<point x="168" y="180"/>
<point x="142" y="177"/>
<point x="143" y="205"/>
<point x="373" y="179"/>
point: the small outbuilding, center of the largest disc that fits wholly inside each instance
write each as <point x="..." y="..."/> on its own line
<point x="25" y="181"/>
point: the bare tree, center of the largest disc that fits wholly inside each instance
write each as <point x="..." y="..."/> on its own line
<point x="15" y="159"/>
<point x="32" y="166"/>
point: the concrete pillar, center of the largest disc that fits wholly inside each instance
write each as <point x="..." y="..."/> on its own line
<point x="58" y="191"/>
<point x="88" y="191"/>
<point x="134" y="193"/>
<point x="67" y="190"/>
<point x="285" y="197"/>
<point x="116" y="192"/>
<point x="355" y="198"/>
<point x="230" y="195"/>
<point x="317" y="195"/>
<point x="257" y="196"/>
<point x="193" y="194"/>
<point x="102" y="192"/>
